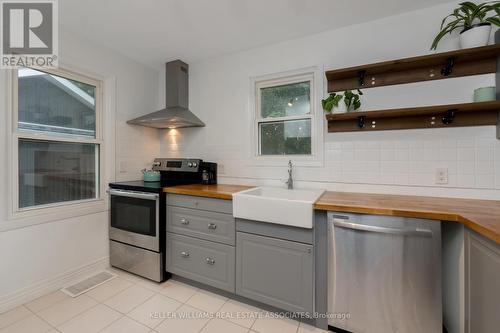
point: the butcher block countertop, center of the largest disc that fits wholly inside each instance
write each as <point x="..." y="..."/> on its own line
<point x="482" y="216"/>
<point x="218" y="191"/>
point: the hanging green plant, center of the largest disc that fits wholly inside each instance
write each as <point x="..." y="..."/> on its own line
<point x="332" y="101"/>
<point x="352" y="100"/>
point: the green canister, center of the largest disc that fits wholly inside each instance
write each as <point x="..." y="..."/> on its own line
<point x="485" y="94"/>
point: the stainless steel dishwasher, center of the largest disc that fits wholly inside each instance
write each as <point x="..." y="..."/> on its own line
<point x="384" y="274"/>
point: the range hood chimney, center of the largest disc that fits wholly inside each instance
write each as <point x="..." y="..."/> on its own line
<point x="176" y="114"/>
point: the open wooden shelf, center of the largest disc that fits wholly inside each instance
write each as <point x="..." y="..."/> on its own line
<point x="451" y="115"/>
<point x="473" y="61"/>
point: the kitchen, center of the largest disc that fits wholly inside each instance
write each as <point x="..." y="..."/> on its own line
<point x="406" y="178"/>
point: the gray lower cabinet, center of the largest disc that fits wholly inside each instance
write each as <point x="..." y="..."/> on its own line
<point x="275" y="271"/>
<point x="200" y="240"/>
<point x="482" y="289"/>
<point x="207" y="225"/>
<point x="208" y="204"/>
<point x="200" y="260"/>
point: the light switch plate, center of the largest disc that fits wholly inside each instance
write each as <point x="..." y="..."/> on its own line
<point x="220" y="169"/>
<point x="123" y="167"/>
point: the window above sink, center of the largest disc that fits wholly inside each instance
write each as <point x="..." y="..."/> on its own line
<point x="287" y="121"/>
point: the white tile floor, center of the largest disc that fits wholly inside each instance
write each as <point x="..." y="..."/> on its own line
<point x="130" y="304"/>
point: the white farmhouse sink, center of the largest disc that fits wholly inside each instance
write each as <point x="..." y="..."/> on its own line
<point x="276" y="205"/>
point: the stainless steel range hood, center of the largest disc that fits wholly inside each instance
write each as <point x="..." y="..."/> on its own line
<point x="176" y="114"/>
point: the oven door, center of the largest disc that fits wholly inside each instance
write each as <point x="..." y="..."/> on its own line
<point x="135" y="218"/>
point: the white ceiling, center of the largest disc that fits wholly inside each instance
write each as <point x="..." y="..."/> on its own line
<point x="155" y="31"/>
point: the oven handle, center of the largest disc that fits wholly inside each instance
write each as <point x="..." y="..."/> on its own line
<point x="132" y="194"/>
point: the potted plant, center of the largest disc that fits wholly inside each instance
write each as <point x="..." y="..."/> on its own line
<point x="351" y="100"/>
<point x="475" y="22"/>
<point x="331" y="102"/>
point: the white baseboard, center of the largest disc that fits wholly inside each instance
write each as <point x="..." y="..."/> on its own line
<point x="46" y="286"/>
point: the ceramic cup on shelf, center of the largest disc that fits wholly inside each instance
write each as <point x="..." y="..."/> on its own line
<point x="485" y="94"/>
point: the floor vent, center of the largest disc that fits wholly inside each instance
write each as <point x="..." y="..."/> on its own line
<point x="88" y="284"/>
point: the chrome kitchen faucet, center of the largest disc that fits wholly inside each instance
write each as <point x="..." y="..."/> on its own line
<point x="289" y="182"/>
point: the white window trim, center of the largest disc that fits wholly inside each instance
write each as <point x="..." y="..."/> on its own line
<point x="105" y="103"/>
<point x="315" y="75"/>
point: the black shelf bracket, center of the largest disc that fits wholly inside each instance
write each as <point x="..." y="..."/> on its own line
<point x="448" y="68"/>
<point x="448" y="117"/>
<point x="361" y="122"/>
<point x="361" y="78"/>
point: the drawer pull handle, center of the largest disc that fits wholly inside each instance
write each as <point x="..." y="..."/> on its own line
<point x="212" y="226"/>
<point x="185" y="254"/>
<point x="210" y="261"/>
<point x="184" y="221"/>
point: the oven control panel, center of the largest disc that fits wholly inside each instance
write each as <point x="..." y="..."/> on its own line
<point x="177" y="164"/>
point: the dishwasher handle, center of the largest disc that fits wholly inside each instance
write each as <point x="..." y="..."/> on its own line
<point x="342" y="223"/>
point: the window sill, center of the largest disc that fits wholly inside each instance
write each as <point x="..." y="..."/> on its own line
<point x="30" y="217"/>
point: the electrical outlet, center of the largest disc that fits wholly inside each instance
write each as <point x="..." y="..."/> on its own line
<point x="220" y="169"/>
<point x="442" y="176"/>
<point x="123" y="167"/>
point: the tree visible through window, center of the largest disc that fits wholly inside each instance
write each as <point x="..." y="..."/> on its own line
<point x="284" y="117"/>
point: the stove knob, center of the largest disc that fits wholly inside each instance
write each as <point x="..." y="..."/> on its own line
<point x="195" y="164"/>
<point x="190" y="164"/>
<point x="156" y="164"/>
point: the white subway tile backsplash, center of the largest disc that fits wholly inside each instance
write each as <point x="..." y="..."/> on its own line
<point x="387" y="155"/>
<point x="471" y="157"/>
<point x="416" y="144"/>
<point x="485" y="154"/>
<point x="333" y="155"/>
<point x="416" y="154"/>
<point x="430" y="154"/>
<point x="447" y="154"/>
<point x="466" y="167"/>
<point x="394" y="166"/>
<point x="401" y="178"/>
<point x="466" y="180"/>
<point x="485" y="181"/>
<point x="387" y="178"/>
<point x="465" y="143"/>
<point x="333" y="145"/>
<point x="387" y="145"/>
<point x="402" y="144"/>
<point x="485" y="167"/>
<point x="448" y="143"/>
<point x="497" y="177"/>
<point x="429" y="144"/>
<point x="426" y="179"/>
<point x="347" y="155"/>
<point x="402" y="155"/>
<point x="367" y="155"/>
<point x="466" y="154"/>
<point x="422" y="167"/>
<point x="347" y="145"/>
<point x="485" y="142"/>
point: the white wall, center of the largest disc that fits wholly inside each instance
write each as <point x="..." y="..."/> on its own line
<point x="44" y="256"/>
<point x="390" y="161"/>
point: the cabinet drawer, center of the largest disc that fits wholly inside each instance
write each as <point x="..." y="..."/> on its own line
<point x="203" y="261"/>
<point x="203" y="224"/>
<point x="275" y="272"/>
<point x="210" y="204"/>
